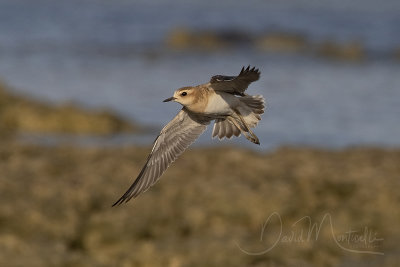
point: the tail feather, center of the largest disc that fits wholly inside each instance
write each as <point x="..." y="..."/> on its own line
<point x="254" y="102"/>
<point x="247" y="116"/>
<point x="251" y="109"/>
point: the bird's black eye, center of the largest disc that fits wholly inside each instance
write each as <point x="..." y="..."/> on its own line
<point x="183" y="94"/>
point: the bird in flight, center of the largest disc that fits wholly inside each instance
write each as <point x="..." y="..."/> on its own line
<point x="222" y="99"/>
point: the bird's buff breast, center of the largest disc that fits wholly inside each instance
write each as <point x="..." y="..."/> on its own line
<point x="213" y="104"/>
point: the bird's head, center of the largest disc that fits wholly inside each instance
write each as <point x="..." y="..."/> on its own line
<point x="185" y="96"/>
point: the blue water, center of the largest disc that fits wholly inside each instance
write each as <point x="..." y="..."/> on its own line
<point x="112" y="54"/>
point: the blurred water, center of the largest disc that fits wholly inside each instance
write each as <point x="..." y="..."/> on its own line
<point x="111" y="53"/>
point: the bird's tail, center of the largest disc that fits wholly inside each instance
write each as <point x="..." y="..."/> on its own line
<point x="251" y="109"/>
<point x="246" y="116"/>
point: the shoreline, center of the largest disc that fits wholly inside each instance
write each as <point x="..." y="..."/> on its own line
<point x="27" y="115"/>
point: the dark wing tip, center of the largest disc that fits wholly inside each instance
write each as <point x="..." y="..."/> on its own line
<point x="128" y="194"/>
<point x="243" y="72"/>
<point x="117" y="203"/>
<point x="120" y="201"/>
<point x="249" y="71"/>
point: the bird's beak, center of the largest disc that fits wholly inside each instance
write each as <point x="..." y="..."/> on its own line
<point x="169" y="99"/>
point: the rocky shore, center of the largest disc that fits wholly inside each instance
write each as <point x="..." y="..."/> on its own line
<point x="21" y="114"/>
<point x="354" y="50"/>
<point x="207" y="210"/>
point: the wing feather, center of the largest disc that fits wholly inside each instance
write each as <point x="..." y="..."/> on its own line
<point x="224" y="128"/>
<point x="236" y="85"/>
<point x="174" y="138"/>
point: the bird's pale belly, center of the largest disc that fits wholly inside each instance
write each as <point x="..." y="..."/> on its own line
<point x="220" y="104"/>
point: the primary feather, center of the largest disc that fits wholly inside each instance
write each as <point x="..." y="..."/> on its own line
<point x="235" y="84"/>
<point x="174" y="138"/>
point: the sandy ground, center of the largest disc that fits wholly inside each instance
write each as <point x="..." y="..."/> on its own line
<point x="213" y="207"/>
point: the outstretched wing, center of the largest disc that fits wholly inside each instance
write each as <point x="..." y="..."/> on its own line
<point x="174" y="138"/>
<point x="235" y="84"/>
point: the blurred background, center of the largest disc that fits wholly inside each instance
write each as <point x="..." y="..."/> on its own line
<point x="82" y="83"/>
<point x="329" y="68"/>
